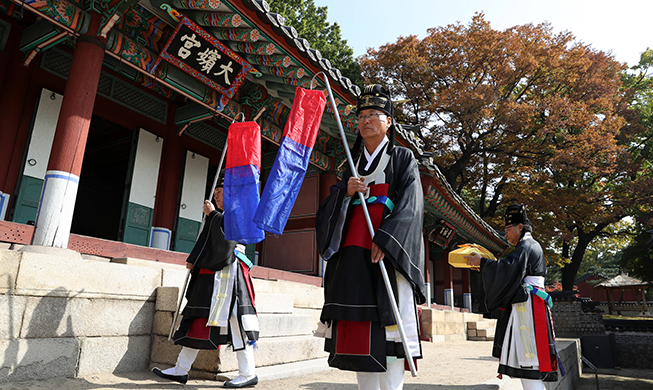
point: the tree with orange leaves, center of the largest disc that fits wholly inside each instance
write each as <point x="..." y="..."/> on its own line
<point x="522" y="115"/>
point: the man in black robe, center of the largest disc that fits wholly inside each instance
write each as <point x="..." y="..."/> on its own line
<point x="524" y="340"/>
<point x="220" y="302"/>
<point x="357" y="320"/>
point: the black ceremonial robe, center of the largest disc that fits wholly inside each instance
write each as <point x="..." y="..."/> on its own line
<point x="353" y="285"/>
<point x="503" y="284"/>
<point x="211" y="254"/>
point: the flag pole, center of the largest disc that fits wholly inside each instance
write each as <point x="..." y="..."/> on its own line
<point x="384" y="272"/>
<point x="215" y="184"/>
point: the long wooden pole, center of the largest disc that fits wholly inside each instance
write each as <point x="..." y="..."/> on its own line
<point x="384" y="272"/>
<point x="183" y="292"/>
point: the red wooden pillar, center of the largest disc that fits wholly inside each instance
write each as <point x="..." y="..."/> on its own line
<point x="169" y="177"/>
<point x="448" y="280"/>
<point x="12" y="100"/>
<point x="57" y="204"/>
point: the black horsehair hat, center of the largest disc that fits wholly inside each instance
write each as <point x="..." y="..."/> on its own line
<point x="515" y="214"/>
<point x="376" y="97"/>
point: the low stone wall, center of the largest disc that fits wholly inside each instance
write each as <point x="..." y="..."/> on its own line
<point x="633" y="350"/>
<point x="570" y="353"/>
<point x="569" y="319"/>
<point x="67" y="316"/>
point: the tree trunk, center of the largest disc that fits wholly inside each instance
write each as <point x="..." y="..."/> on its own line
<point x="570" y="270"/>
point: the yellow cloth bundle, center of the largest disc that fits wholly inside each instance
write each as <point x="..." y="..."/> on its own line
<point x="457" y="257"/>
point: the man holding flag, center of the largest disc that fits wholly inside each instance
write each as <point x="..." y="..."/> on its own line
<point x="220" y="307"/>
<point x="357" y="319"/>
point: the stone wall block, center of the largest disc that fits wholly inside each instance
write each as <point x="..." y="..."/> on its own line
<point x="36" y="359"/>
<point x="12" y="308"/>
<point x="164" y="352"/>
<point x="114" y="354"/>
<point x="83" y="317"/>
<point x="167" y="298"/>
<point x="42" y="274"/>
<point x="174" y="277"/>
<point x="162" y="322"/>
<point x="209" y="360"/>
<point x="9" y="262"/>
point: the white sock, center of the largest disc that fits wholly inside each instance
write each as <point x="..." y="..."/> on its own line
<point x="184" y="362"/>
<point x="531" y="384"/>
<point x="246" y="362"/>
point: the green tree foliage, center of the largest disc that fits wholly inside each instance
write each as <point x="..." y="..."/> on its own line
<point x="311" y="23"/>
<point x="637" y="258"/>
<point x="523" y="115"/>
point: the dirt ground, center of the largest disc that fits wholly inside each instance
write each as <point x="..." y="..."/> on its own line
<point x="463" y="365"/>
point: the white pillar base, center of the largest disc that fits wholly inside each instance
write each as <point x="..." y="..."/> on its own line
<point x="428" y="294"/>
<point x="4" y="201"/>
<point x="467" y="298"/>
<point x="55" y="213"/>
<point x="448" y="297"/>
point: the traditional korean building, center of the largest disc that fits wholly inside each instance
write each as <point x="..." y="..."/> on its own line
<point x="115" y="114"/>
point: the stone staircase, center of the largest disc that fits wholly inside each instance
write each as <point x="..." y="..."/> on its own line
<point x="450" y="325"/>
<point x="481" y="330"/>
<point x="288" y="314"/>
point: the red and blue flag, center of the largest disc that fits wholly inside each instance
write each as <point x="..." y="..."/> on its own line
<point x="241" y="183"/>
<point x="287" y="174"/>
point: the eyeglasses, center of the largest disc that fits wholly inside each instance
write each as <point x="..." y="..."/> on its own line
<point x="362" y="118"/>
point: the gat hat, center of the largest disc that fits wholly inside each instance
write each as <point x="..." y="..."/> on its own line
<point x="515" y="214"/>
<point x="375" y="96"/>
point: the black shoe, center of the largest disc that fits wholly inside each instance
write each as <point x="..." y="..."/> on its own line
<point x="177" y="378"/>
<point x="247" y="383"/>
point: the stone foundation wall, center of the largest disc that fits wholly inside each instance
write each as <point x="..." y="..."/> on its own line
<point x="569" y="352"/>
<point x="68" y="316"/>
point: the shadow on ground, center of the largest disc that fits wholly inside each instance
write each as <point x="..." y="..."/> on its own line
<point x="624" y="379"/>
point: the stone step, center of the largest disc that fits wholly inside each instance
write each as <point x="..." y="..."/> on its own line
<point x="279" y="325"/>
<point x="480" y="332"/>
<point x="305" y="296"/>
<point x="277" y="350"/>
<point x="448" y="328"/>
<point x="268" y="302"/>
<point x="269" y="351"/>
<point x="480" y="325"/>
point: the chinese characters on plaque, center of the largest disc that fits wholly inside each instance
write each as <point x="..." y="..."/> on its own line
<point x="446" y="233"/>
<point x="199" y="54"/>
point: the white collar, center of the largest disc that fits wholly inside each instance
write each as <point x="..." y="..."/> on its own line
<point x="371" y="158"/>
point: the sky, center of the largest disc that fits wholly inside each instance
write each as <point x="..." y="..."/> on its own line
<point x="620" y="27"/>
